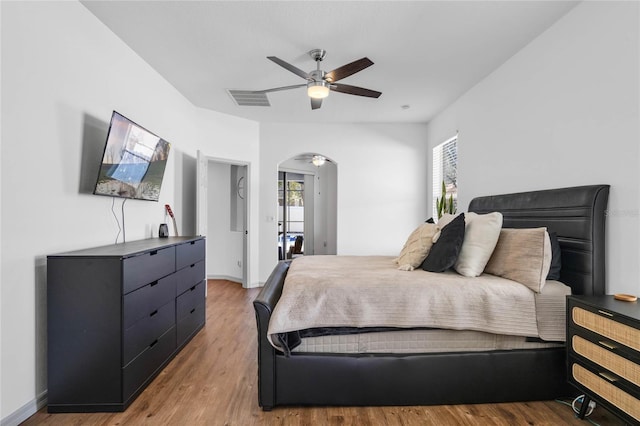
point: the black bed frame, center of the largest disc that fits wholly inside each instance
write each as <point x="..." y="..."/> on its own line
<point x="576" y="214"/>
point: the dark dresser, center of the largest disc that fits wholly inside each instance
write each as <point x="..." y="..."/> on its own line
<point x="116" y="315"/>
<point x="603" y="342"/>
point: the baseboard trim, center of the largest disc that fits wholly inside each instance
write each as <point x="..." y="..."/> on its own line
<point x="224" y="277"/>
<point x="26" y="411"/>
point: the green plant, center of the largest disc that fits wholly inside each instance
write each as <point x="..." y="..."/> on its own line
<point x="444" y="205"/>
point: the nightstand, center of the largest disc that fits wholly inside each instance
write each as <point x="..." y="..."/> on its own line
<point x="603" y="353"/>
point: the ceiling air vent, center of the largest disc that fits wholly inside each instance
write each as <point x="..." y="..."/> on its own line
<point x="249" y="98"/>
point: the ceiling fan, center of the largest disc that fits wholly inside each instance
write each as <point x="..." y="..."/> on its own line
<point x="319" y="82"/>
<point x="315" y="159"/>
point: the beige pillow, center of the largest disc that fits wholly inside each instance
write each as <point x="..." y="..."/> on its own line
<point x="480" y="237"/>
<point x="417" y="247"/>
<point x="522" y="255"/>
<point x="445" y="219"/>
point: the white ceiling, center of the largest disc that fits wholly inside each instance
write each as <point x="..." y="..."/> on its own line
<point x="425" y="53"/>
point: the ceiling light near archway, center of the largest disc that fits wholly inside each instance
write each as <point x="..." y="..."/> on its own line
<point x="318" y="160"/>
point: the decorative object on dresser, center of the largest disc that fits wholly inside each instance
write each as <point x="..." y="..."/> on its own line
<point x="117" y="315"/>
<point x="173" y="218"/>
<point x="603" y="339"/>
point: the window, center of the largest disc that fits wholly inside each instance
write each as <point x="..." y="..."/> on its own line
<point x="445" y="166"/>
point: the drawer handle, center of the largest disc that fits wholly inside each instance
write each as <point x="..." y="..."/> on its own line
<point x="153" y="283"/>
<point x="153" y="343"/>
<point x="605" y="313"/>
<point x="153" y="313"/>
<point x="193" y="265"/>
<point x="609" y="377"/>
<point x="192" y="288"/>
<point x="192" y="311"/>
<point x="607" y="345"/>
<point x="153" y="253"/>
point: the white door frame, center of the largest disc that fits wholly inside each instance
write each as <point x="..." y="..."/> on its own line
<point x="201" y="206"/>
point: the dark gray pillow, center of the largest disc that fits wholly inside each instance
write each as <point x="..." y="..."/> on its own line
<point x="556" y="262"/>
<point x="444" y="252"/>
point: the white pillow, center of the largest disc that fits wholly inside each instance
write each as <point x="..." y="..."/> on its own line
<point x="417" y="247"/>
<point x="481" y="234"/>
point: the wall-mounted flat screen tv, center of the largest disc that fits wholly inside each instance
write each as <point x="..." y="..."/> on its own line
<point x="133" y="162"/>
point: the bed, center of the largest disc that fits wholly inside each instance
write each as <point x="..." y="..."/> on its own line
<point x="430" y="376"/>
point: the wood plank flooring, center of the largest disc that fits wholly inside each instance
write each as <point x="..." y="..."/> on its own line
<point x="213" y="382"/>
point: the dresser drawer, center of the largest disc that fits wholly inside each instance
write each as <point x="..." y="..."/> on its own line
<point x="144" y="366"/>
<point x="189" y="324"/>
<point x="147" y="267"/>
<point x="143" y="301"/>
<point x="147" y="330"/>
<point x="189" y="276"/>
<point x="189" y="300"/>
<point x="602" y="387"/>
<point x="189" y="253"/>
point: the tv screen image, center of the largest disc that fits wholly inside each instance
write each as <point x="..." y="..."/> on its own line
<point x="133" y="162"/>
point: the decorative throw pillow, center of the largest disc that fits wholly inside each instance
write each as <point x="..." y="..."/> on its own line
<point x="445" y="250"/>
<point x="556" y="260"/>
<point x="417" y="247"/>
<point x="480" y="238"/>
<point x="522" y="255"/>
<point x="446" y="219"/>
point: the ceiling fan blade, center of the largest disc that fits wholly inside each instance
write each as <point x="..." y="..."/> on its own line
<point x="288" y="66"/>
<point x="277" y="89"/>
<point x="347" y="70"/>
<point x="316" y="103"/>
<point x="354" y="90"/>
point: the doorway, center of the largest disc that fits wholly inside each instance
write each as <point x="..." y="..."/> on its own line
<point x="222" y="216"/>
<point x="307" y="207"/>
<point x="292" y="199"/>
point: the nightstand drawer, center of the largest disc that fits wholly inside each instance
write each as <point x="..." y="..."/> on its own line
<point x="602" y="356"/>
<point x="141" y="302"/>
<point x="147" y="267"/>
<point x="189" y="253"/>
<point x="604" y="389"/>
<point x="600" y="324"/>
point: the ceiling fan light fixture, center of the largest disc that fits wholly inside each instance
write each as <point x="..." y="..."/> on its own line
<point x="318" y="89"/>
<point x="318" y="160"/>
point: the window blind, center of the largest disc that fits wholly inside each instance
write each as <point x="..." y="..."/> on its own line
<point x="445" y="167"/>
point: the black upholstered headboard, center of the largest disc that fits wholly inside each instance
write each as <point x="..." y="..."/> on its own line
<point x="576" y="214"/>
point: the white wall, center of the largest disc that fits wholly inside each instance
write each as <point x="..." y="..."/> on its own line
<point x="63" y="72"/>
<point x="561" y="112"/>
<point x="382" y="174"/>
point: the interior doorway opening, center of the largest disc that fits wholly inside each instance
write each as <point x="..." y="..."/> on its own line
<point x="222" y="216"/>
<point x="307" y="206"/>
<point x="291" y="214"/>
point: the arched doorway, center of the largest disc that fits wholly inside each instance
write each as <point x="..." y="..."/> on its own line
<point x="307" y="206"/>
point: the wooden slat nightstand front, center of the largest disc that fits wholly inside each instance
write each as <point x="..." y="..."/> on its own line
<point x="603" y="350"/>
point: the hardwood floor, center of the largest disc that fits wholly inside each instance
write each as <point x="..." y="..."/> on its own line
<point x="213" y="382"/>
